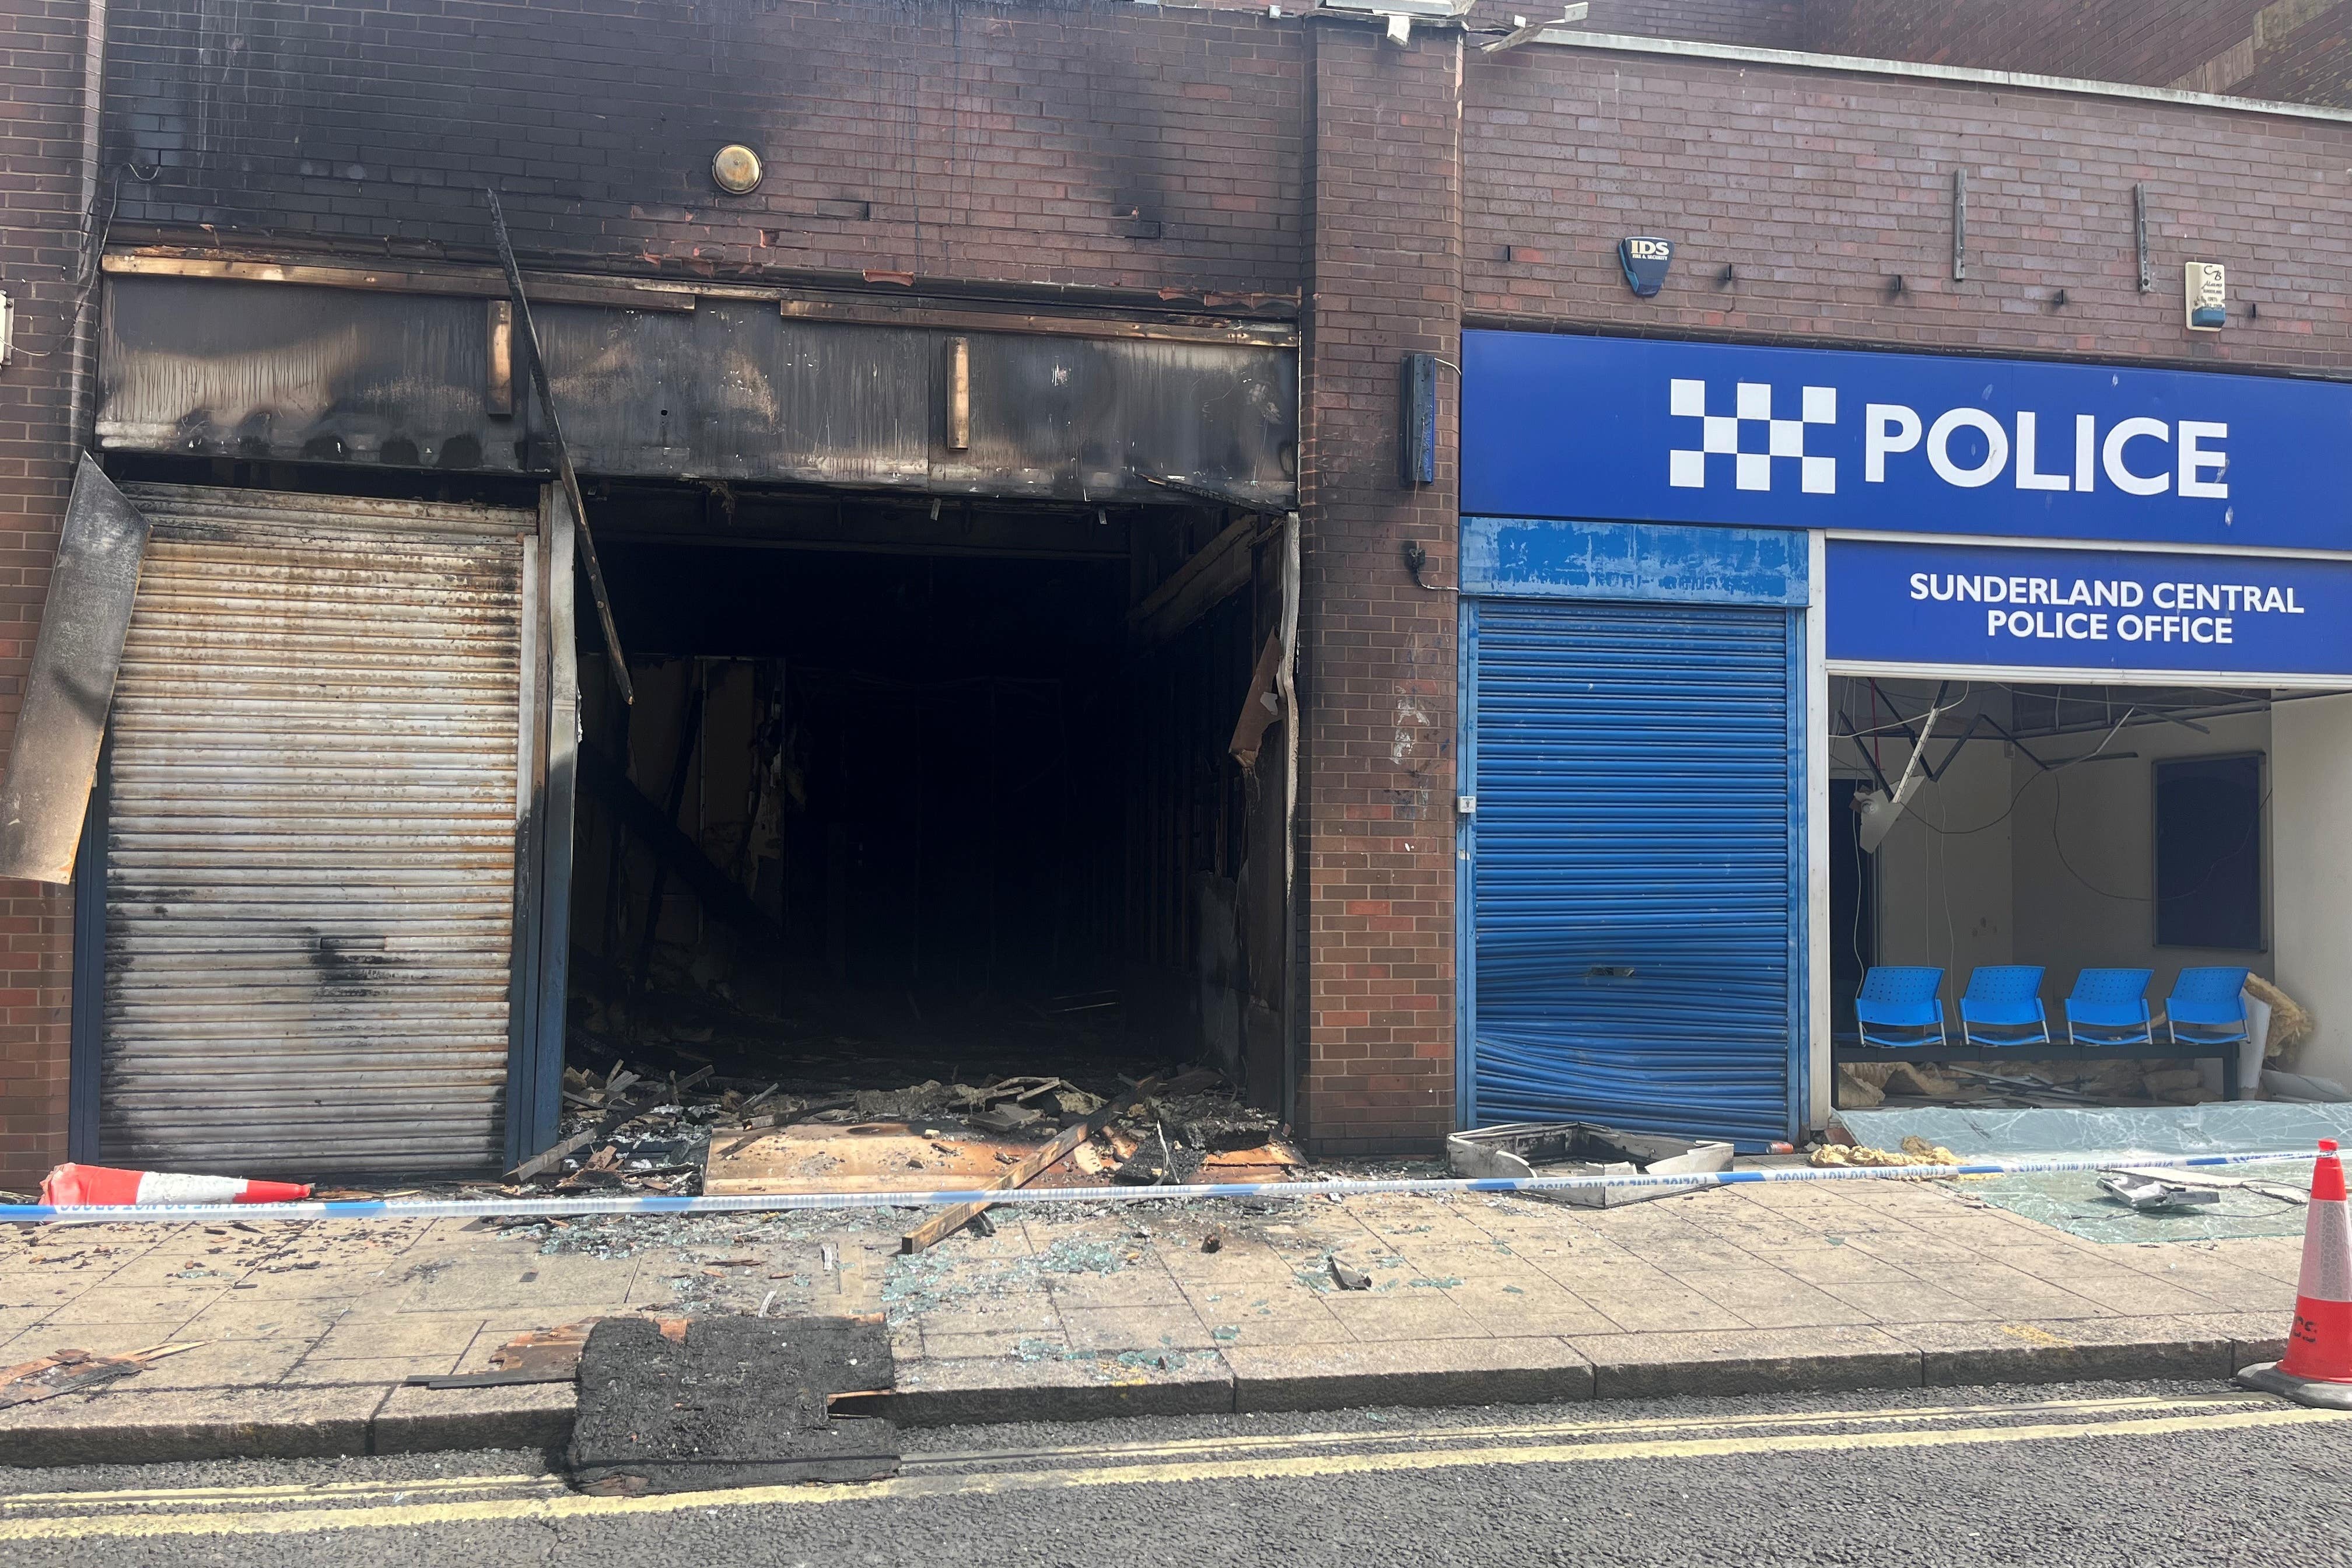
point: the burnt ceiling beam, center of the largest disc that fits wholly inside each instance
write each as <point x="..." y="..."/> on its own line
<point x="1219" y="568"/>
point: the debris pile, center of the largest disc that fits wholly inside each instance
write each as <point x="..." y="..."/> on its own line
<point x="1914" y="1152"/>
<point x="76" y="1371"/>
<point x="704" y="1134"/>
<point x="1862" y="1086"/>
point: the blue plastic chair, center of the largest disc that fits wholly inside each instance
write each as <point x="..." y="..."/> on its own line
<point x="2207" y="1000"/>
<point x="1901" y="998"/>
<point x="2113" y="1003"/>
<point x="2005" y="996"/>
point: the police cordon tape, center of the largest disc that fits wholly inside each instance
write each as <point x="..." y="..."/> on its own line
<point x="786" y="1203"/>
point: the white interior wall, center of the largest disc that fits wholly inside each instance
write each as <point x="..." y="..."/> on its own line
<point x="2311" y="900"/>
<point x="2103" y="815"/>
<point x="1943" y="892"/>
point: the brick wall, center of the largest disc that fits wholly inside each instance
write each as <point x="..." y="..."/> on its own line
<point x="1817" y="188"/>
<point x="1755" y="24"/>
<point x="44" y="134"/>
<point x="1378" y="661"/>
<point x="2312" y="64"/>
<point x="1000" y="144"/>
<point x="2290" y="50"/>
<point x="1090" y="142"/>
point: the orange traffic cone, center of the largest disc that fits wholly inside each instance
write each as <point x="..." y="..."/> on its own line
<point x="75" y="1186"/>
<point x="2318" y="1366"/>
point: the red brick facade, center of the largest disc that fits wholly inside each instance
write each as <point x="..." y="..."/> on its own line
<point x="2299" y="51"/>
<point x="47" y="132"/>
<point x="1817" y="189"/>
<point x="1386" y="194"/>
<point x="1378" y="663"/>
<point x="1752" y="24"/>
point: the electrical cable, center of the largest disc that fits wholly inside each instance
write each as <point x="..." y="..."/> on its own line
<point x="2051" y="770"/>
<point x="2057" y="842"/>
<point x="88" y="280"/>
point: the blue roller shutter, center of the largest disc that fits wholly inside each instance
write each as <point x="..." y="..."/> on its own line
<point x="1635" y="865"/>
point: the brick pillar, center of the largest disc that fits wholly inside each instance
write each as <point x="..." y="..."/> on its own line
<point x="48" y="137"/>
<point x="1379" y="652"/>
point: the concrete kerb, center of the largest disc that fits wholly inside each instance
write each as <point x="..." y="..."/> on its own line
<point x="124" y="1426"/>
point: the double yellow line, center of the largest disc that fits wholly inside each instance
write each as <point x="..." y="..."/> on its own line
<point x="476" y="1499"/>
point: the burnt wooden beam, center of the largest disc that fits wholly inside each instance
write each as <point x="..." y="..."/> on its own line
<point x="456" y="282"/>
<point x="690" y="741"/>
<point x="562" y="454"/>
<point x="1220" y="567"/>
<point x="948" y="1221"/>
<point x="720" y="893"/>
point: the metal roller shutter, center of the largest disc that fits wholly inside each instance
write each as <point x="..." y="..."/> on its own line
<point x="309" y="836"/>
<point x="1632" y="866"/>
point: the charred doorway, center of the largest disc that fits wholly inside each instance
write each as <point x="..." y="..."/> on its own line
<point x="912" y="792"/>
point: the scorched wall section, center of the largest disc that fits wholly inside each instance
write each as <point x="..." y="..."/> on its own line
<point x="1089" y="142"/>
<point x="46" y="118"/>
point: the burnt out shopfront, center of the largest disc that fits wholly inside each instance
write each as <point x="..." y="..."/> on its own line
<point x="919" y="743"/>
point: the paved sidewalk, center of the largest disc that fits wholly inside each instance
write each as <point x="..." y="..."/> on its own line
<point x="1071" y="1312"/>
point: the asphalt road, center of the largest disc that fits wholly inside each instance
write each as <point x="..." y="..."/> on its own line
<point x="2144" y="1475"/>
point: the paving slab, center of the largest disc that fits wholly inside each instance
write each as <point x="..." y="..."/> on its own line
<point x="1078" y="1312"/>
<point x="1116" y="1329"/>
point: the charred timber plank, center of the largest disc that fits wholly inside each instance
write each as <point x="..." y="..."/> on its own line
<point x="1221" y="567"/>
<point x="720" y="893"/>
<point x="549" y="1159"/>
<point x="947" y="1221"/>
<point x="453" y="282"/>
<point x="585" y="541"/>
<point x="690" y="739"/>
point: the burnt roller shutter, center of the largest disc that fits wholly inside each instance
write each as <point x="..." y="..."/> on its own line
<point x="1634" y="866"/>
<point x="309" y="836"/>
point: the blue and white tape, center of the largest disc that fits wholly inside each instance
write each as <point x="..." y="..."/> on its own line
<point x="786" y="1203"/>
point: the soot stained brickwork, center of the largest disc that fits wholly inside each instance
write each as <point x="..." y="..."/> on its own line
<point x="1087" y="142"/>
<point x="1379" y="660"/>
<point x="46" y="118"/>
<point x="1213" y="150"/>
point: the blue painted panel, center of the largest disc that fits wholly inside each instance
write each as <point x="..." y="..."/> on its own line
<point x="1635" y="867"/>
<point x="1897" y="603"/>
<point x="1553" y="559"/>
<point x="1726" y="434"/>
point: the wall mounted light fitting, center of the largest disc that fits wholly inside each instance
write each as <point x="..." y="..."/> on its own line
<point x="1417" y="419"/>
<point x="736" y="170"/>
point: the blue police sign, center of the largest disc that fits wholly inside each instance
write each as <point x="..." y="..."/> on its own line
<point x="1621" y="429"/>
<point x="1894" y="603"/>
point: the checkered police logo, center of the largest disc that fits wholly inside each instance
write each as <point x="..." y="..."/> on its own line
<point x="1751" y="437"/>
